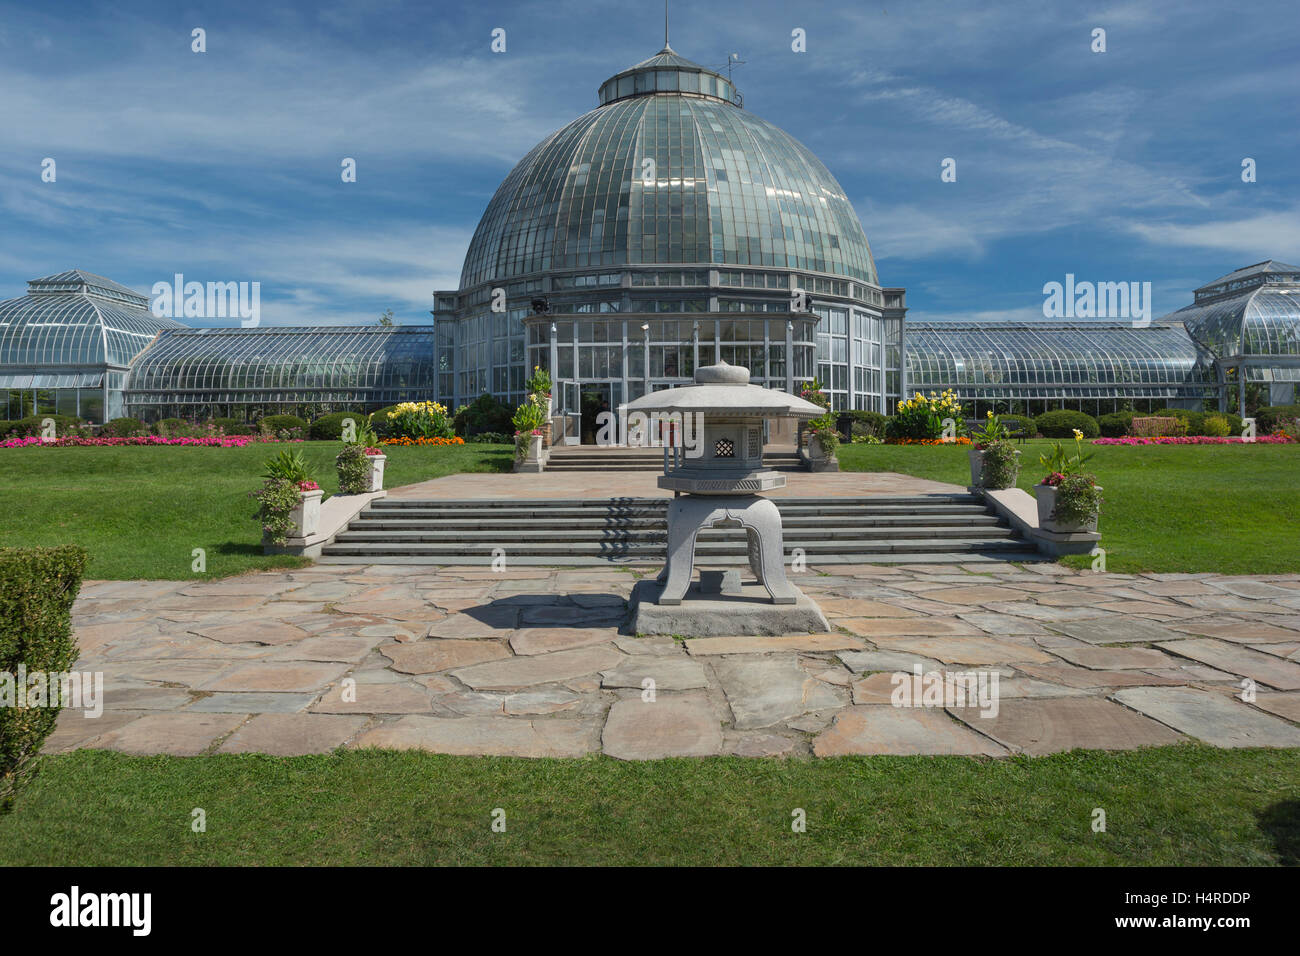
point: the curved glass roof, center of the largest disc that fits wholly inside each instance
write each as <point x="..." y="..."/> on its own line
<point x="1036" y="355"/>
<point x="77" y="318"/>
<point x="666" y="72"/>
<point x="1258" y="319"/>
<point x="669" y="176"/>
<point x="264" y="360"/>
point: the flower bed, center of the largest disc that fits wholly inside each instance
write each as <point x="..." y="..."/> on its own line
<point x="959" y="440"/>
<point x="211" y="441"/>
<point x="1195" y="440"/>
<point x="423" y="441"/>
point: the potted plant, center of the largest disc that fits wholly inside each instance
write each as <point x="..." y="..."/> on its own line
<point x="1069" y="501"/>
<point x="361" y="464"/>
<point x="289" y="500"/>
<point x="538" y="386"/>
<point x="993" y="433"/>
<point x="528" y="420"/>
<point x="823" y="440"/>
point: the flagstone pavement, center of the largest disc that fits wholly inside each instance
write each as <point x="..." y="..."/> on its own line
<point x="538" y="662"/>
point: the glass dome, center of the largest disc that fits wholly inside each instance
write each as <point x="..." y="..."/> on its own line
<point x="669" y="170"/>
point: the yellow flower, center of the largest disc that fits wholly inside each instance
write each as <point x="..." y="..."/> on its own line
<point x="1078" y="435"/>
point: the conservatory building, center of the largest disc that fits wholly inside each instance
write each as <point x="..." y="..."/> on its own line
<point x="666" y="229"/>
<point x="1248" y="322"/>
<point x="1027" y="368"/>
<point x="66" y="346"/>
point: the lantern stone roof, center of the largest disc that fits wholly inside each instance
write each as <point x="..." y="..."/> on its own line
<point x="724" y="390"/>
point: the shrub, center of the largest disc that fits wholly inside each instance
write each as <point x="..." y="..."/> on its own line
<point x="1001" y="465"/>
<point x="867" y="424"/>
<point x="179" y="428"/>
<point x="233" y="426"/>
<point x="354" y="468"/>
<point x="1269" y="417"/>
<point x="283" y="426"/>
<point x="276" y="500"/>
<point x="37" y="588"/>
<point x="489" y="438"/>
<point x="1115" y="424"/>
<point x="63" y="425"/>
<point x="484" y="414"/>
<point x="6" y="427"/>
<point x="1078" y="500"/>
<point x="330" y="427"/>
<point x="289" y="466"/>
<point x="1215" y="426"/>
<point x="124" y="428"/>
<point x="379" y="419"/>
<point x="1061" y="424"/>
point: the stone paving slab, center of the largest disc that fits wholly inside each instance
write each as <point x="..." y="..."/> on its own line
<point x="1265" y="668"/>
<point x="676" y="725"/>
<point x="901" y="730"/>
<point x="175" y="734"/>
<point x="1044" y="726"/>
<point x="539" y="662"/>
<point x="291" y="735"/>
<point x="1213" y="718"/>
<point x="764" y="691"/>
<point x="490" y="736"/>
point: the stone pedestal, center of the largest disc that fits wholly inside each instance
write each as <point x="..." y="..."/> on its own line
<point x="688" y="515"/>
<point x="747" y="610"/>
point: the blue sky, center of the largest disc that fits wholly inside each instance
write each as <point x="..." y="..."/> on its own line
<point x="224" y="166"/>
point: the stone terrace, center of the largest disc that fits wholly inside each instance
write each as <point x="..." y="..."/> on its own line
<point x="531" y="662"/>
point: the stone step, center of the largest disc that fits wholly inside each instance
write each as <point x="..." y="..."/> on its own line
<point x="704" y="548"/>
<point x="398" y="521"/>
<point x="579" y="560"/>
<point x="800" y="537"/>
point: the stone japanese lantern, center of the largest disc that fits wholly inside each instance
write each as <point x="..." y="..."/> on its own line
<point x="718" y="477"/>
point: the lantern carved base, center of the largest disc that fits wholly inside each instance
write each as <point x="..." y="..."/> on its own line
<point x="689" y="514"/>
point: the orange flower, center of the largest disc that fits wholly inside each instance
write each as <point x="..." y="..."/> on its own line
<point x="423" y="441"/>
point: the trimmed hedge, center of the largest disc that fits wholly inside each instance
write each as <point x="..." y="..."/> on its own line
<point x="124" y="428"/>
<point x="1063" y="423"/>
<point x="484" y="414"/>
<point x="1115" y="424"/>
<point x="1267" y="418"/>
<point x="330" y="427"/>
<point x="866" y="422"/>
<point x="234" y="426"/>
<point x="172" y="427"/>
<point x="37" y="588"/>
<point x="31" y="425"/>
<point x="272" y="424"/>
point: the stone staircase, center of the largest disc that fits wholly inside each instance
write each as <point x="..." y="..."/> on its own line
<point x="928" y="529"/>
<point x="596" y="458"/>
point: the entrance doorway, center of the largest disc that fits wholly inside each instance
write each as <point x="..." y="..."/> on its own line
<point x="599" y="398"/>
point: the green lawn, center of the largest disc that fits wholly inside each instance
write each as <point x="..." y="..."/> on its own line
<point x="140" y="511"/>
<point x="1185" y="805"/>
<point x="1228" y="508"/>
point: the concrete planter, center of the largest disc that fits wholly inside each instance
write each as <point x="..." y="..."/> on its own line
<point x="977" y="478"/>
<point x="306" y="516"/>
<point x="818" y="459"/>
<point x="375" y="473"/>
<point x="529" y="457"/>
<point x="1046" y="495"/>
